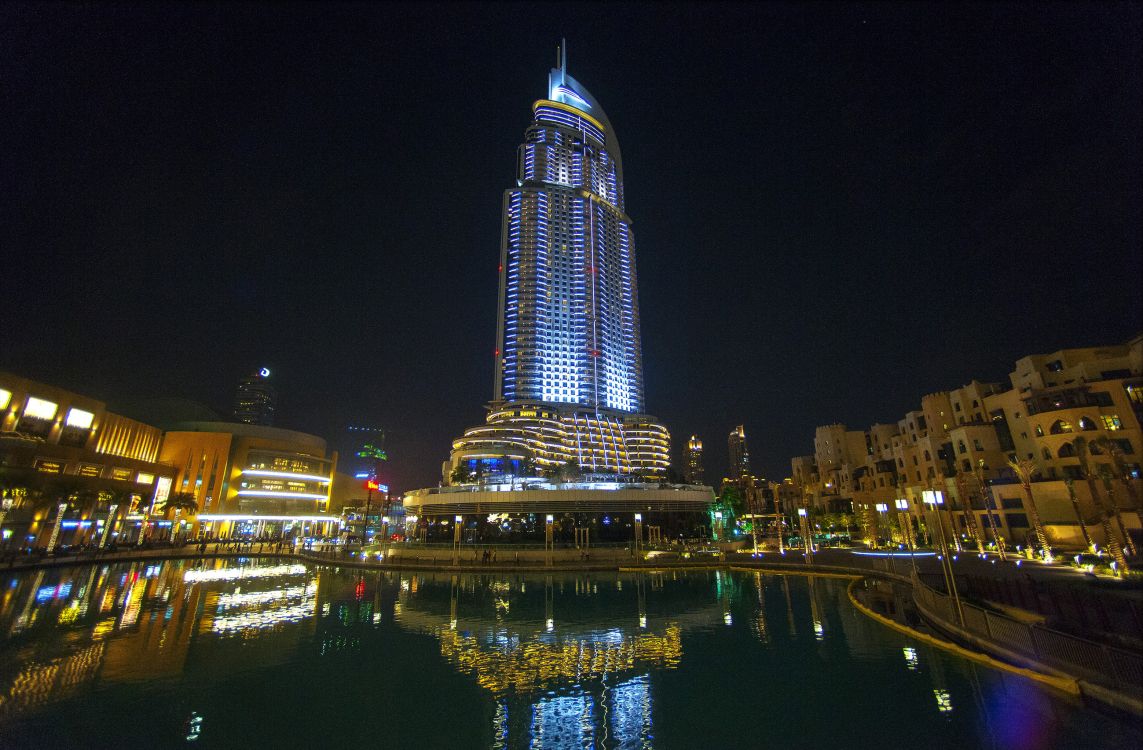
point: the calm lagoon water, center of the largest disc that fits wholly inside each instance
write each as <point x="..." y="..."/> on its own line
<point x="278" y="654"/>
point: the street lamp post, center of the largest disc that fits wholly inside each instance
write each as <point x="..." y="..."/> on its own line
<point x="638" y="533"/>
<point x="549" y="540"/>
<point x="934" y="499"/>
<point x="458" y="521"/>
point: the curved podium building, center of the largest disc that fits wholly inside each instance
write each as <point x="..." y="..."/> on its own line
<point x="568" y="397"/>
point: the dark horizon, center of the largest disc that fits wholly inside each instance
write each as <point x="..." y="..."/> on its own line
<point x="838" y="208"/>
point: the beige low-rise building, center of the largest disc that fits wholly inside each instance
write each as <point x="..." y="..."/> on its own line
<point x="1075" y="413"/>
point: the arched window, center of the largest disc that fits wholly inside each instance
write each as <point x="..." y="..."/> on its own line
<point x="1087" y="424"/>
<point x="1060" y="426"/>
<point x="928" y="457"/>
<point x="1067" y="450"/>
<point x="1047" y="455"/>
<point x="1094" y="449"/>
<point x="1039" y="431"/>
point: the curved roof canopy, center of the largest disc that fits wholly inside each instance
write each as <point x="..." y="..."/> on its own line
<point x="564" y="89"/>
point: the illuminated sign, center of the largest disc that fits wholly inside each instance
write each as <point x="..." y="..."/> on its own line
<point x="79" y="418"/>
<point x="145" y="478"/>
<point x="264" y="372"/>
<point x="5" y="398"/>
<point x="90" y="470"/>
<point x="48" y="466"/>
<point x="162" y="490"/>
<point x="122" y="475"/>
<point x="38" y="408"/>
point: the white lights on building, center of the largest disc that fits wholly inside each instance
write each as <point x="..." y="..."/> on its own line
<point x="286" y="475"/>
<point x="79" y="418"/>
<point x="39" y="408"/>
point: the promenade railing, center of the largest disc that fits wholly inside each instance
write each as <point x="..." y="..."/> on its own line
<point x="1071" y="655"/>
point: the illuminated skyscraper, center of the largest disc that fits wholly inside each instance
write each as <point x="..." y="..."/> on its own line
<point x="739" y="457"/>
<point x="693" y="473"/>
<point x="254" y="401"/>
<point x="568" y="329"/>
<point x="569" y="362"/>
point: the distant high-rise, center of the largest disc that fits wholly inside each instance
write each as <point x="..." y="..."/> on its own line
<point x="739" y="456"/>
<point x="255" y="399"/>
<point x="693" y="474"/>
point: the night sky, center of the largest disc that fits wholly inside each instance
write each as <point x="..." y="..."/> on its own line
<point x="838" y="208"/>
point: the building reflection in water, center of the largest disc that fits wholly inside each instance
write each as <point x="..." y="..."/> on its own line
<point x="70" y="628"/>
<point x="564" y="661"/>
<point x="569" y="660"/>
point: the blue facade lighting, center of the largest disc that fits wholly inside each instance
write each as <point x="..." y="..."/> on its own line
<point x="569" y="368"/>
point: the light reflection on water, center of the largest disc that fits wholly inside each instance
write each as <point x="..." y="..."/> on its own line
<point x="241" y="653"/>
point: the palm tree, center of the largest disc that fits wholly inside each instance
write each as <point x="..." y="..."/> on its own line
<point x="35" y="499"/>
<point x="120" y="499"/>
<point x="88" y="500"/>
<point x="1115" y="451"/>
<point x="1024" y="469"/>
<point x="1112" y="541"/>
<point x="969" y="514"/>
<point x="1071" y="485"/>
<point x="565" y="472"/>
<point x="177" y="503"/>
<point x="460" y="474"/>
<point x="989" y="506"/>
<point x="10" y="484"/>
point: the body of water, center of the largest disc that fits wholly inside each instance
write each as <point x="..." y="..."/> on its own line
<point x="256" y="653"/>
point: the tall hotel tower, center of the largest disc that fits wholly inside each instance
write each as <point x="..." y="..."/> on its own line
<point x="569" y="361"/>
